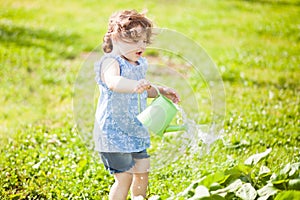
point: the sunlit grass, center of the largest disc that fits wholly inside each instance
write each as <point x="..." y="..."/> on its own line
<point x="255" y="45"/>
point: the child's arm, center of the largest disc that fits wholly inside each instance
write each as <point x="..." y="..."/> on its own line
<point x="111" y="76"/>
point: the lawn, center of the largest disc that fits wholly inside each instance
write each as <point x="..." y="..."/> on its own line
<point x="255" y="46"/>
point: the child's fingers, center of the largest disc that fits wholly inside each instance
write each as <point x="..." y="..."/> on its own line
<point x="173" y="95"/>
<point x="142" y="86"/>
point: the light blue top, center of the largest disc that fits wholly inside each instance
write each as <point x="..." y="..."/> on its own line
<point x="116" y="127"/>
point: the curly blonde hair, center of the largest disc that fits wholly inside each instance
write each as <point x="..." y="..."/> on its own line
<point x="124" y="25"/>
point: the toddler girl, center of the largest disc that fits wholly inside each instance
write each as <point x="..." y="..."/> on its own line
<point x="119" y="137"/>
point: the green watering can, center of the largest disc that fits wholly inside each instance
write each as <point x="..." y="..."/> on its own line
<point x="158" y="115"/>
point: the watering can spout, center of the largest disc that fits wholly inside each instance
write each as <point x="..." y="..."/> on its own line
<point x="174" y="128"/>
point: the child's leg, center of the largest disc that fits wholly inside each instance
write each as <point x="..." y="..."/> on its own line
<point x="140" y="177"/>
<point x="120" y="188"/>
<point x="139" y="185"/>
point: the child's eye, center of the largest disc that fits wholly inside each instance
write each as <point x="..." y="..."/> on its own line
<point x="136" y="41"/>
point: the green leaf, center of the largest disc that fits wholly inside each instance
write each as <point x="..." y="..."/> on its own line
<point x="263" y="198"/>
<point x="244" y="168"/>
<point x="215" y="177"/>
<point x="267" y="191"/>
<point x="288" y="195"/>
<point x="230" y="195"/>
<point x="281" y="184"/>
<point x="189" y="191"/>
<point x="246" y="192"/>
<point x="216" y="197"/>
<point x="294" y="169"/>
<point x="254" y="159"/>
<point x="232" y="171"/>
<point x="294" y="184"/>
<point x="264" y="170"/>
<point x="234" y="186"/>
<point x="231" y="175"/>
<point x="215" y="186"/>
<point x="286" y="169"/>
<point x="213" y="197"/>
<point x="224" y="180"/>
<point x="155" y="197"/>
<point x="291" y="169"/>
<point x="200" y="192"/>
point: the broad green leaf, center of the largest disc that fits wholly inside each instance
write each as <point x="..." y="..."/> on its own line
<point x="224" y="180"/>
<point x="216" y="197"/>
<point x="246" y="192"/>
<point x="155" y="197"/>
<point x="254" y="159"/>
<point x="295" y="167"/>
<point x="215" y="177"/>
<point x="189" y="189"/>
<point x="267" y="191"/>
<point x="276" y="182"/>
<point x="234" y="170"/>
<point x="290" y="169"/>
<point x="244" y="168"/>
<point x="294" y="184"/>
<point x="200" y="192"/>
<point x="286" y="169"/>
<point x="213" y="197"/>
<point x="230" y="195"/>
<point x="231" y="175"/>
<point x="215" y="186"/>
<point x="288" y="195"/>
<point x="234" y="186"/>
<point x="263" y="198"/>
<point x="264" y="170"/>
<point x="281" y="184"/>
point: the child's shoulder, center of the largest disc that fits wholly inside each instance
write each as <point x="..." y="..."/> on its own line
<point x="108" y="60"/>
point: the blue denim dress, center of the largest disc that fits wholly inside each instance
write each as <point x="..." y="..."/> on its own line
<point x="116" y="127"/>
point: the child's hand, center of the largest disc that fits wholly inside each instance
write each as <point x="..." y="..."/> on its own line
<point x="171" y="94"/>
<point x="142" y="85"/>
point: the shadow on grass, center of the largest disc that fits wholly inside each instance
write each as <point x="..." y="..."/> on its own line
<point x="51" y="41"/>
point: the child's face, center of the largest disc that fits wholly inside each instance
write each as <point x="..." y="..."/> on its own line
<point x="130" y="49"/>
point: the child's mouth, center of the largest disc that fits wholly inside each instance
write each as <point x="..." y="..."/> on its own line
<point x="139" y="53"/>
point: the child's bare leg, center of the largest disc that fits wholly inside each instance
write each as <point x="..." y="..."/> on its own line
<point x="139" y="185"/>
<point x="140" y="178"/>
<point x="121" y="186"/>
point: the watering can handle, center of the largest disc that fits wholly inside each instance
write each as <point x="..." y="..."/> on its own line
<point x="139" y="97"/>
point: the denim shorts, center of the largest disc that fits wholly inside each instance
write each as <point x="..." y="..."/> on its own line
<point x="117" y="162"/>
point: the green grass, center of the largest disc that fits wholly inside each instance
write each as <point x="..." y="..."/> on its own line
<point x="255" y="45"/>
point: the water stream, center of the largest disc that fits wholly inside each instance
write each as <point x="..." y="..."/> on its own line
<point x="187" y="144"/>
